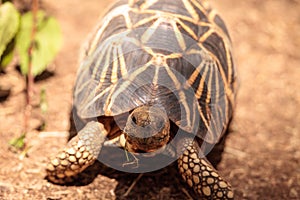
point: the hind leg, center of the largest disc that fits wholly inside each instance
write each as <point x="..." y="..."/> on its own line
<point x="80" y="152"/>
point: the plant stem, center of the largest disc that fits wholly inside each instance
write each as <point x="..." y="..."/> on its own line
<point x="30" y="78"/>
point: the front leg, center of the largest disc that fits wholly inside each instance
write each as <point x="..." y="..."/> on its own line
<point x="81" y="152"/>
<point x="199" y="174"/>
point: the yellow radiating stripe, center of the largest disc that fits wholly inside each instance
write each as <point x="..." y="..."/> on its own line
<point x="132" y="40"/>
<point x="173" y="77"/>
<point x="120" y="10"/>
<point x="193" y="77"/>
<point x="213" y="121"/>
<point x="209" y="84"/>
<point x="218" y="31"/>
<point x="103" y="53"/>
<point x="205" y="60"/>
<point x="173" y="56"/>
<point x="131" y="3"/>
<point x="229" y="64"/>
<point x="190" y="9"/>
<point x="84" y="83"/>
<point x="192" y="33"/>
<point x="113" y="95"/>
<point x="227" y="88"/>
<point x="204" y="119"/>
<point x="217" y="82"/>
<point x="208" y="115"/>
<point x="148" y="4"/>
<point x="226" y="43"/>
<point x="181" y="94"/>
<point x="150" y="31"/>
<point x="115" y="67"/>
<point x="187" y="29"/>
<point x="178" y="35"/>
<point x="145" y="20"/>
<point x="195" y="74"/>
<point x="122" y="61"/>
<point x="128" y="20"/>
<point x="148" y="50"/>
<point x="123" y="86"/>
<point x="88" y="104"/>
<point x="211" y="16"/>
<point x="202" y="81"/>
<point x="217" y="118"/>
<point x="194" y="51"/>
<point x="199" y="6"/>
<point x="208" y="97"/>
<point x="222" y="116"/>
<point x="206" y="35"/>
<point x="201" y="23"/>
<point x="227" y="109"/>
<point x="156" y="14"/>
<point x="104" y="69"/>
<point x="206" y="5"/>
<point x="155" y="78"/>
<point x="199" y="92"/>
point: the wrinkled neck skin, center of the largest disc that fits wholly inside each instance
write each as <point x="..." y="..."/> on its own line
<point x="147" y="130"/>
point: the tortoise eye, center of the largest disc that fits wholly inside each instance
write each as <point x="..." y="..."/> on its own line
<point x="134" y="120"/>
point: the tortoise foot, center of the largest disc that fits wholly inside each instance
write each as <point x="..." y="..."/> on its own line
<point x="80" y="153"/>
<point x="199" y="174"/>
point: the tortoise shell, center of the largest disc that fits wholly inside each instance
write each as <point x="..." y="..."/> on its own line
<point x="176" y="54"/>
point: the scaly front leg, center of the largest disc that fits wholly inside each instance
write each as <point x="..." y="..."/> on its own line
<point x="199" y="174"/>
<point x="80" y="153"/>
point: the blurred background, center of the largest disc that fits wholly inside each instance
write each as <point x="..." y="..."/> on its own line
<point x="262" y="156"/>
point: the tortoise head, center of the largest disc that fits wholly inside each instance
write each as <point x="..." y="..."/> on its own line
<point x="147" y="129"/>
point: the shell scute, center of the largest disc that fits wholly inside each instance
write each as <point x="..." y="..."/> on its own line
<point x="156" y="52"/>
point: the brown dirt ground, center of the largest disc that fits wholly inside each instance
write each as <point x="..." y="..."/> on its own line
<point x="261" y="157"/>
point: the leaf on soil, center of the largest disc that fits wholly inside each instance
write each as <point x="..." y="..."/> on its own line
<point x="18" y="143"/>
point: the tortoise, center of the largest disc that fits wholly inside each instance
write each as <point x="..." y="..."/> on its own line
<point x="155" y="77"/>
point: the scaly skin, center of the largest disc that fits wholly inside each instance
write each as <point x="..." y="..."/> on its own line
<point x="199" y="174"/>
<point x="80" y="153"/>
<point x="84" y="149"/>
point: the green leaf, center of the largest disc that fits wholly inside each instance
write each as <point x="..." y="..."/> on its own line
<point x="47" y="42"/>
<point x="9" y="24"/>
<point x="8" y="54"/>
<point x="18" y="143"/>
